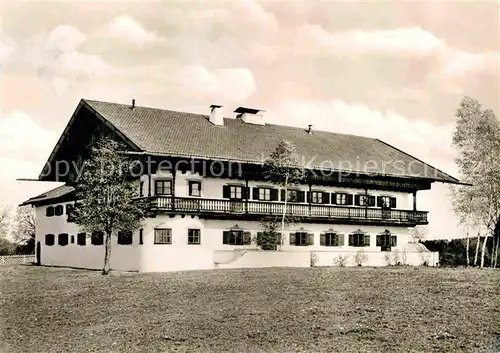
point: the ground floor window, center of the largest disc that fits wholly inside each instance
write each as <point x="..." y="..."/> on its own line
<point x="236" y="237"/>
<point x="81" y="239"/>
<point x="62" y="239"/>
<point x="359" y="239"/>
<point x="49" y="239"/>
<point x="193" y="236"/>
<point x="97" y="238"/>
<point x="125" y="237"/>
<point x="163" y="236"/>
<point x="301" y="239"/>
<point x="332" y="239"/>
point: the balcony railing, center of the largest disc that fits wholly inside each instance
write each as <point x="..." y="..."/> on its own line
<point x="242" y="207"/>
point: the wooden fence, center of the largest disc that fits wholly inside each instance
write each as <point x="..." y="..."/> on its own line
<point x="16" y="259"/>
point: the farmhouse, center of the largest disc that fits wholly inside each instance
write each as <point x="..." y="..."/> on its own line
<point x="208" y="196"/>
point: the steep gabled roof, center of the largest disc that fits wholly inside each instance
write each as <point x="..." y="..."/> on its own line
<point x="193" y="135"/>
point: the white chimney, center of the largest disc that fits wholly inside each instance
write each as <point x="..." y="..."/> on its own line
<point x="217" y="115"/>
<point x="251" y="116"/>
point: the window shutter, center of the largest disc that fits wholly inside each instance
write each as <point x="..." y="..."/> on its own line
<point x="255" y="193"/>
<point x="356" y="201"/>
<point x="246" y="192"/>
<point x="225" y="237"/>
<point x="259" y="236"/>
<point x="247" y="238"/>
<point x="334" y="198"/>
<point x="349" y="199"/>
<point x="310" y="239"/>
<point x="326" y="197"/>
<point x="292" y="238"/>
<point x="301" y="196"/>
<point x="379" y="240"/>
<point x="341" y="239"/>
<point x="351" y="239"/>
<point x="308" y="196"/>
<point x="394" y="240"/>
<point x="393" y="202"/>
<point x="274" y="194"/>
<point x="379" y="201"/>
<point x="322" y="239"/>
<point x="226" y="193"/>
<point x="278" y="238"/>
<point x="371" y="200"/>
<point x="282" y="195"/>
<point x="366" y="240"/>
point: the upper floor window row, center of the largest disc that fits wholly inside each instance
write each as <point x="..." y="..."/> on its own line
<point x="55" y="210"/>
<point x="239" y="192"/>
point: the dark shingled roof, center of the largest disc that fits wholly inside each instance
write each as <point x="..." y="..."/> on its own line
<point x="193" y="135"/>
<point x="56" y="193"/>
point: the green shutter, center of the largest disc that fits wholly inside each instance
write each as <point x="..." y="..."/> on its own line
<point x="274" y="194"/>
<point x="394" y="240"/>
<point x="326" y="197"/>
<point x="301" y="197"/>
<point x="226" y="193"/>
<point x="322" y="239"/>
<point x="356" y="201"/>
<point x="247" y="238"/>
<point x="393" y="202"/>
<point x="371" y="200"/>
<point x="292" y="238"/>
<point x="349" y="199"/>
<point x="278" y="238"/>
<point x="351" y="239"/>
<point x="341" y="239"/>
<point x="282" y="195"/>
<point x="225" y="237"/>
<point x="333" y="198"/>
<point x="379" y="201"/>
<point x="366" y="240"/>
<point x="310" y="239"/>
<point x="246" y="192"/>
<point x="379" y="240"/>
<point x="255" y="193"/>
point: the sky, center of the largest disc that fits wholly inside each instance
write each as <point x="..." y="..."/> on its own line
<point x="389" y="70"/>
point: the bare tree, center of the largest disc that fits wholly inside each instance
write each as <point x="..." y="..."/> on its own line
<point x="283" y="168"/>
<point x="4" y="221"/>
<point x="418" y="233"/>
<point x="23" y="230"/>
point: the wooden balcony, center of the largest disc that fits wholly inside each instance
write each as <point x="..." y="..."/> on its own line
<point x="253" y="210"/>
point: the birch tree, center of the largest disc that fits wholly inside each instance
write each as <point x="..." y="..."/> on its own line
<point x="477" y="139"/>
<point x="106" y="196"/>
<point x="284" y="168"/>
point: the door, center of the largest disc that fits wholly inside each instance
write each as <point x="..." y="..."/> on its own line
<point x="38" y="253"/>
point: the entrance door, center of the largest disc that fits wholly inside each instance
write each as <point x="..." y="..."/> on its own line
<point x="38" y="253"/>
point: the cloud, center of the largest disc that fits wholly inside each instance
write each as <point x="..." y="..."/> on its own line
<point x="124" y="27"/>
<point x="459" y="63"/>
<point x="412" y="40"/>
<point x="223" y="85"/>
<point x="7" y="48"/>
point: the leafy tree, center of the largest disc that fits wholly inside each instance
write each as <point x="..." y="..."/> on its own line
<point x="477" y="139"/>
<point x="4" y="221"/>
<point x="106" y="194"/>
<point x="284" y="168"/>
<point x="418" y="233"/>
<point x="23" y="231"/>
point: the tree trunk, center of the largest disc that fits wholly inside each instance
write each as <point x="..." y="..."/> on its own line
<point x="496" y="253"/>
<point x="477" y="248"/>
<point x="467" y="246"/>
<point x="107" y="254"/>
<point x="483" y="250"/>
<point x="284" y="214"/>
<point x="493" y="244"/>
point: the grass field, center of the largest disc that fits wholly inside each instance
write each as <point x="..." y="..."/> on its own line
<point x="260" y="310"/>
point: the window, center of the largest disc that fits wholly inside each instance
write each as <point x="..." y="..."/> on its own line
<point x="81" y="239"/>
<point x="62" y="239"/>
<point x="125" y="237"/>
<point x="236" y="237"/>
<point x="141" y="189"/>
<point x="49" y="239"/>
<point x="58" y="211"/>
<point x="331" y="239"/>
<point x="49" y="212"/>
<point x="386" y="202"/>
<point x="386" y="240"/>
<point x="293" y="195"/>
<point x="194" y="188"/>
<point x="342" y="199"/>
<point x="141" y="240"/>
<point x="365" y="200"/>
<point x="359" y="239"/>
<point x="316" y="197"/>
<point x="163" y="187"/>
<point x="301" y="239"/>
<point x="70" y="212"/>
<point x="235" y="192"/>
<point x="163" y="236"/>
<point x="264" y="194"/>
<point x="97" y="238"/>
<point x="193" y="236"/>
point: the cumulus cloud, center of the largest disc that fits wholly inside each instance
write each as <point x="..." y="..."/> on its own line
<point x="224" y="85"/>
<point x="7" y="47"/>
<point x="125" y="27"/>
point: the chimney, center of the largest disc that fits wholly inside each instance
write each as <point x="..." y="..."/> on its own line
<point x="309" y="131"/>
<point x="250" y="115"/>
<point x="217" y="115"/>
<point x="133" y="104"/>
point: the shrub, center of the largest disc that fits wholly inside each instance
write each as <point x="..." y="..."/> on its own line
<point x="360" y="258"/>
<point x="314" y="259"/>
<point x="340" y="260"/>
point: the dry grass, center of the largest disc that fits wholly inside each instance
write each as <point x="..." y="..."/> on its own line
<point x="261" y="310"/>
